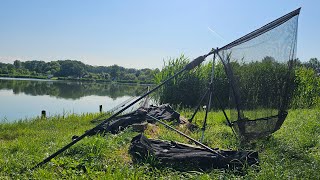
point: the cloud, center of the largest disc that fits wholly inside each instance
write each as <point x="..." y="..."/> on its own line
<point x="218" y="35"/>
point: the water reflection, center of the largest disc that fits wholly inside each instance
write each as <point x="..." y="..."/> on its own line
<point x="68" y="89"/>
<point x="26" y="98"/>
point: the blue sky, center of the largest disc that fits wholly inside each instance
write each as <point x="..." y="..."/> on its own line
<point x="140" y="33"/>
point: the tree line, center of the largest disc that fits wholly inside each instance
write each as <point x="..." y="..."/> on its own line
<point x="72" y="69"/>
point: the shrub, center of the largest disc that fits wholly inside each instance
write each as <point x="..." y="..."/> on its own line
<point x="307" y="91"/>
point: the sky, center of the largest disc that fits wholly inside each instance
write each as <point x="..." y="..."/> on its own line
<point x="142" y="33"/>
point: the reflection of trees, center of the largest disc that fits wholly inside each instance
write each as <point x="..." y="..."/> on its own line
<point x="69" y="90"/>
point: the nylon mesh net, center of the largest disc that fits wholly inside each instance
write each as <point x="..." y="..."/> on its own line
<point x="259" y="69"/>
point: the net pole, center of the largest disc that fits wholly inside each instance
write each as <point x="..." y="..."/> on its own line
<point x="232" y="84"/>
<point x="216" y="52"/>
<point x="198" y="107"/>
<point x="210" y="98"/>
<point x="213" y="51"/>
<point x="225" y="115"/>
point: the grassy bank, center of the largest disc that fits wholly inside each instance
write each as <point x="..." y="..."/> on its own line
<point x="292" y="152"/>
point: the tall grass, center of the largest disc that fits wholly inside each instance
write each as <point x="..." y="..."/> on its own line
<point x="260" y="84"/>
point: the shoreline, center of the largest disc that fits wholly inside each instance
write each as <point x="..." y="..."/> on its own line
<point x="27" y="77"/>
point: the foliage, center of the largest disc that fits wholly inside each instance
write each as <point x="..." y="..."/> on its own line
<point x="71" y="68"/>
<point x="307" y="92"/>
<point x="76" y="70"/>
<point x="291" y="152"/>
<point x="314" y="64"/>
<point x="259" y="83"/>
<point x="175" y="90"/>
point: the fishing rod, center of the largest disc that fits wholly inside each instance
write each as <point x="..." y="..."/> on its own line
<point x="188" y="67"/>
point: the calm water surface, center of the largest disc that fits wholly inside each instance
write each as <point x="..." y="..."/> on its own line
<point x="26" y="98"/>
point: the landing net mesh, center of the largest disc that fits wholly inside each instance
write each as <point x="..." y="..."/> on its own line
<point x="259" y="67"/>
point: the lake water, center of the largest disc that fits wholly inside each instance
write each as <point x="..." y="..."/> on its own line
<point x="26" y="98"/>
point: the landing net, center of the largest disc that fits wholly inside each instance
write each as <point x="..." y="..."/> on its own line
<point x="259" y="67"/>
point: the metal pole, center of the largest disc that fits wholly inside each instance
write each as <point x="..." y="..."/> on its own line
<point x="43" y="114"/>
<point x="210" y="98"/>
<point x="188" y="137"/>
<point x="225" y="115"/>
<point x="231" y="80"/>
<point x="100" y="108"/>
<point x="198" y="107"/>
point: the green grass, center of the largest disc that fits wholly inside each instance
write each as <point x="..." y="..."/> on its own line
<point x="293" y="152"/>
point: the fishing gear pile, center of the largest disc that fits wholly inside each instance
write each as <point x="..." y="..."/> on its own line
<point x="122" y="122"/>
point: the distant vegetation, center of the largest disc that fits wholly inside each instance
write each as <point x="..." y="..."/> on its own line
<point x="187" y="89"/>
<point x="72" y="69"/>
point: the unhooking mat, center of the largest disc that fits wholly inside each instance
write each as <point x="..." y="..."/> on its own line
<point x="184" y="156"/>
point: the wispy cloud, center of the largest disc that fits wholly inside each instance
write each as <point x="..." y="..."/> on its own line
<point x="218" y="35"/>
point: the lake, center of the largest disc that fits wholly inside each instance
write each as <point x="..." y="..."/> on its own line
<point x="26" y="98"/>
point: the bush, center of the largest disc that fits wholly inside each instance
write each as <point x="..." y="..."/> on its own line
<point x="307" y="91"/>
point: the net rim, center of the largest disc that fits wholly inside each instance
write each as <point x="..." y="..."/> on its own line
<point x="262" y="29"/>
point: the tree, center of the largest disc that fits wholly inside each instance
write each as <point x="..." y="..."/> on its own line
<point x="114" y="71"/>
<point x="106" y="76"/>
<point x="129" y="77"/>
<point x="71" y="68"/>
<point x="54" y="67"/>
<point x="313" y="63"/>
<point x="17" y="64"/>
